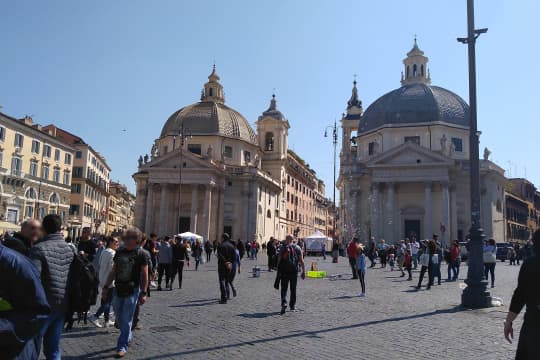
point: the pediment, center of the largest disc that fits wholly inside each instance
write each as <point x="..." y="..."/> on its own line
<point x="189" y="160"/>
<point x="409" y="154"/>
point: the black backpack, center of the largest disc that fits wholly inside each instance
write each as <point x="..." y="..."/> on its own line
<point x="82" y="285"/>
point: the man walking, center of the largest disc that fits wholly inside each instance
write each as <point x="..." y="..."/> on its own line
<point x="415" y="247"/>
<point x="271" y="253"/>
<point x="226" y="254"/>
<point x="179" y="257"/>
<point x="52" y="257"/>
<point x="164" y="262"/>
<point x="290" y="256"/>
<point x="130" y="274"/>
<point x="352" y="253"/>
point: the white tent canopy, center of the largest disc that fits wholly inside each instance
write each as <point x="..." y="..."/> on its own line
<point x="190" y="236"/>
<point x="317" y="235"/>
<point x="315" y="241"/>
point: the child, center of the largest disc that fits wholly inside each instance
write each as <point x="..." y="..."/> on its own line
<point x="361" y="264"/>
<point x="391" y="261"/>
<point x="408" y="263"/>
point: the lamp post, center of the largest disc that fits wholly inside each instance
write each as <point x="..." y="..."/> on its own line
<point x="475" y="295"/>
<point x="183" y="133"/>
<point x="334" y="141"/>
<point x="36" y="215"/>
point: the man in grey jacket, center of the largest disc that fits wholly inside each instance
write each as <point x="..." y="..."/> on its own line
<point x="53" y="256"/>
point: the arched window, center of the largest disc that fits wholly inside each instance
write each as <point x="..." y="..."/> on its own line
<point x="54" y="199"/>
<point x="269" y="142"/>
<point x="422" y="70"/>
<point x="414" y="70"/>
<point x="211" y="92"/>
<point x="268" y="214"/>
<point x="408" y="68"/>
<point x="31" y="193"/>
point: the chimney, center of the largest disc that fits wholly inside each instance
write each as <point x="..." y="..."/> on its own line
<point x="27" y="120"/>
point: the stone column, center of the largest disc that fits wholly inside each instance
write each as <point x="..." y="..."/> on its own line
<point x="453" y="214"/>
<point x="375" y="212"/>
<point x="163" y="211"/>
<point x="428" y="218"/>
<point x="140" y="206"/>
<point x="445" y="213"/>
<point x="207" y="218"/>
<point x="220" y="213"/>
<point x="148" y="227"/>
<point x="389" y="214"/>
<point x="194" y="209"/>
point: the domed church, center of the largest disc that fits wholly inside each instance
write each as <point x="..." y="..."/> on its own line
<point x="227" y="184"/>
<point x="405" y="164"/>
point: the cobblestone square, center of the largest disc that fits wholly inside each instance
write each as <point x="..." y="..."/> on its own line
<point x="392" y="322"/>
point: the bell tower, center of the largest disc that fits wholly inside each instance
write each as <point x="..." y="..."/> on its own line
<point x="416" y="70"/>
<point x="213" y="90"/>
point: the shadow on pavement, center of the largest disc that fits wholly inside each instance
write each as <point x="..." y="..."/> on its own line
<point x="95" y="355"/>
<point x="314" y="333"/>
<point x="196" y="304"/>
<point x="258" y="315"/>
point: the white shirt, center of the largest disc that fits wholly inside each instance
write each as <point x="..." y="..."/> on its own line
<point x="415" y="246"/>
<point x="105" y="265"/>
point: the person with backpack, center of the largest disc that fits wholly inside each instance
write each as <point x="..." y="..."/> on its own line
<point x="87" y="246"/>
<point x="53" y="257"/>
<point x="179" y="257"/>
<point x="130" y="275"/>
<point x="289" y="259"/>
<point x="226" y="253"/>
<point x="105" y="267"/>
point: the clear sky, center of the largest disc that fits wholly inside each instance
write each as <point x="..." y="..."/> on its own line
<point x="98" y="67"/>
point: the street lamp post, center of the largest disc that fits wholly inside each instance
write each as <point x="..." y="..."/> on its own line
<point x="475" y="295"/>
<point x="334" y="141"/>
<point x="183" y="133"/>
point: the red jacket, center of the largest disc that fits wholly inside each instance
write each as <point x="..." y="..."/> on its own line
<point x="352" y="250"/>
<point x="454" y="252"/>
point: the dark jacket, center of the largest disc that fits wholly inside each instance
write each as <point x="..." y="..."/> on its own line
<point x="226" y="252"/>
<point x="52" y="257"/>
<point x="18" y="243"/>
<point x="20" y="290"/>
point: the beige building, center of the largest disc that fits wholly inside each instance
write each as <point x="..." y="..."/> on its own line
<point x="89" y="186"/>
<point x="121" y="209"/>
<point x="35" y="170"/>
<point x="404" y="164"/>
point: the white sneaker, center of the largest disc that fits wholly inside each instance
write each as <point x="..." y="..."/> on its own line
<point x="110" y="323"/>
<point x="94" y="320"/>
<point x="153" y="284"/>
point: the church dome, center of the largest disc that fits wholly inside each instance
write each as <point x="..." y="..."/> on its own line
<point x="414" y="104"/>
<point x="211" y="116"/>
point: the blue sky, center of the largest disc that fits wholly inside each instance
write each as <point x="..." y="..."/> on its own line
<point x="97" y="67"/>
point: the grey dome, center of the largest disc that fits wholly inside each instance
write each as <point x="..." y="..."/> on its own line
<point x="415" y="103"/>
<point x="210" y="118"/>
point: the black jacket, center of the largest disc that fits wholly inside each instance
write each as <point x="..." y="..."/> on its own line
<point x="226" y="252"/>
<point x="18" y="243"/>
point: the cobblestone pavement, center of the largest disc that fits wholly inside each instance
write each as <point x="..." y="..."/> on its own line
<point x="392" y="322"/>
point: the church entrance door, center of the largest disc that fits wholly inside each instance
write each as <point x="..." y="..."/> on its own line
<point x="412" y="229"/>
<point x="184" y="224"/>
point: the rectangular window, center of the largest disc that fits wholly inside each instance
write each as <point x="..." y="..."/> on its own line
<point x="57" y="155"/>
<point x="77" y="172"/>
<point x="412" y="139"/>
<point x="371" y="148"/>
<point x="194" y="149"/>
<point x="45" y="172"/>
<point x="66" y="177"/>
<point x="2" y="133"/>
<point x="247" y="157"/>
<point x="227" y="152"/>
<point x="16" y="164"/>
<point x="78" y="154"/>
<point x="76" y="188"/>
<point x="33" y="168"/>
<point x="56" y="175"/>
<point x="29" y="211"/>
<point x="35" y="146"/>
<point x="19" y="140"/>
<point x="47" y="151"/>
<point x="458" y="144"/>
<point x="1" y="158"/>
<point x="67" y="159"/>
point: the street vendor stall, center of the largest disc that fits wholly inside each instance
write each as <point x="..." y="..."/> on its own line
<point x="315" y="241"/>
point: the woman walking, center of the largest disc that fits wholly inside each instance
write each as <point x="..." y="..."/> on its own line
<point x="490" y="260"/>
<point x="361" y="264"/>
<point x="197" y="253"/>
<point x="426" y="260"/>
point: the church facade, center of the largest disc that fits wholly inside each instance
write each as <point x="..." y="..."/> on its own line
<point x="209" y="172"/>
<point x="405" y="164"/>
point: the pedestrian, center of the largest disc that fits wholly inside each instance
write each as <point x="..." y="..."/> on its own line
<point x="490" y="260"/>
<point x="235" y="268"/>
<point x="208" y="250"/>
<point x="361" y="264"/>
<point x="527" y="294"/>
<point x="373" y="255"/>
<point x="197" y="253"/>
<point x="352" y="253"/>
<point x="136" y="324"/>
<point x="382" y="251"/>
<point x="226" y="253"/>
<point x="179" y="257"/>
<point x="23" y="240"/>
<point x="239" y="245"/>
<point x="289" y="259"/>
<point x="436" y="260"/>
<point x="518" y="253"/>
<point x="323" y="249"/>
<point x="152" y="246"/>
<point x="335" y="251"/>
<point x="164" y="263"/>
<point x="253" y="250"/>
<point x="454" y="257"/>
<point x="271" y="253"/>
<point x="415" y="248"/>
<point x="511" y="255"/>
<point x="52" y="257"/>
<point x="426" y="263"/>
<point x="105" y="266"/>
<point x="23" y="306"/>
<point x="407" y="263"/>
<point x="130" y="274"/>
<point x="87" y="246"/>
<point x="400" y="255"/>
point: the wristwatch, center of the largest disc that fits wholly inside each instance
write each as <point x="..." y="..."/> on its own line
<point x="143" y="293"/>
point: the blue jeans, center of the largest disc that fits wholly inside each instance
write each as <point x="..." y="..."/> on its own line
<point x="105" y="307"/>
<point x="124" y="309"/>
<point x="51" y="333"/>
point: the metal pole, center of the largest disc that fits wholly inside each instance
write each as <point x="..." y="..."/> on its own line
<point x="335" y="208"/>
<point x="475" y="295"/>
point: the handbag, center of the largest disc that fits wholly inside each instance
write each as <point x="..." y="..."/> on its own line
<point x="489" y="257"/>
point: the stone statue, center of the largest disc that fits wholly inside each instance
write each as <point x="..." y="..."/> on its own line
<point x="210" y="153"/>
<point x="487" y="153"/>
<point x="376" y="147"/>
<point x="257" y="161"/>
<point x="452" y="149"/>
<point x="443" y="143"/>
<point x="154" y="151"/>
<point x="146" y="159"/>
<point x="140" y="161"/>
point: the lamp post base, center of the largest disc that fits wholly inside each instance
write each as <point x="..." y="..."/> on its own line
<point x="476" y="296"/>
